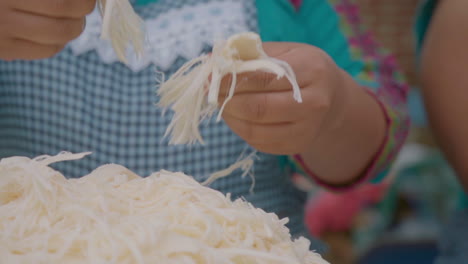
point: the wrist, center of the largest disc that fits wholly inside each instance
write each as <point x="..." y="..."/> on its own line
<point x="341" y="111"/>
<point x="342" y="102"/>
<point x="348" y="143"/>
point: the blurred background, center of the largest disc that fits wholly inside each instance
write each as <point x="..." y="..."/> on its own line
<point x="399" y="221"/>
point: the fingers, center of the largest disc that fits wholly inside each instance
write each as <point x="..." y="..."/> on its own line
<point x="255" y="133"/>
<point x="277" y="138"/>
<point x="307" y="62"/>
<point x="276" y="107"/>
<point x="254" y="82"/>
<point x="55" y="8"/>
<point x="45" y="30"/>
<point x="32" y="29"/>
<point x="265" y="108"/>
<point x="260" y="80"/>
<point x="26" y="50"/>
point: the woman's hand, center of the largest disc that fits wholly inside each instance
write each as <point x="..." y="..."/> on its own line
<point x="337" y="129"/>
<point x="36" y="29"/>
<point x="264" y="113"/>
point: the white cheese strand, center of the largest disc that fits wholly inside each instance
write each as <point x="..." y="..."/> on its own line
<point x="114" y="216"/>
<point x="122" y="26"/>
<point x="193" y="97"/>
<point x="245" y="164"/>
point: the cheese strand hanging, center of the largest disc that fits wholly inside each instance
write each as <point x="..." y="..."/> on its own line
<point x="121" y="26"/>
<point x="192" y="92"/>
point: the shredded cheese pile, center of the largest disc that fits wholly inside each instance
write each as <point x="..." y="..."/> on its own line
<point x="185" y="91"/>
<point x="121" y="26"/>
<point x="114" y="216"/>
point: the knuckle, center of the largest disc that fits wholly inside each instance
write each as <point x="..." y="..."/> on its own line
<point x="321" y="103"/>
<point x="321" y="61"/>
<point x="320" y="67"/>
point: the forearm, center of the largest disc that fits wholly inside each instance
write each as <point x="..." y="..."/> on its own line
<point x="444" y="76"/>
<point x="364" y="143"/>
<point x="341" y="153"/>
<point x="448" y="122"/>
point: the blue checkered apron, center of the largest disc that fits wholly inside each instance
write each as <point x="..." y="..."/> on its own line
<point x="79" y="103"/>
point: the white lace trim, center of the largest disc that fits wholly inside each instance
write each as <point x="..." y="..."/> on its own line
<point x="179" y="33"/>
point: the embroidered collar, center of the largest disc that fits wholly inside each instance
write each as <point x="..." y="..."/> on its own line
<point x="179" y="33"/>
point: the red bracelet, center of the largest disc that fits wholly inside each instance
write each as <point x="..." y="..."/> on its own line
<point x="371" y="169"/>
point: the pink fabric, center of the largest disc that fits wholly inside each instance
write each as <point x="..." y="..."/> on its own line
<point x="337" y="211"/>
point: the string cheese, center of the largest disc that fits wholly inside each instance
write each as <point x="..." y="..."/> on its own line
<point x="113" y="215"/>
<point x="121" y="26"/>
<point x="192" y="92"/>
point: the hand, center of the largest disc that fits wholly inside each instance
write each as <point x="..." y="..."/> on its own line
<point x="264" y="113"/>
<point x="36" y="29"/>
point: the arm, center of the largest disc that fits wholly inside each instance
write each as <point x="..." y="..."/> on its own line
<point x="444" y="66"/>
<point x="346" y="79"/>
<point x="370" y="151"/>
<point x="336" y="117"/>
<point x="337" y="129"/>
<point x="342" y="151"/>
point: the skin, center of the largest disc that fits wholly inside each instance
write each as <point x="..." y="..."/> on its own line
<point x="32" y="29"/>
<point x="338" y="128"/>
<point x="444" y="79"/>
